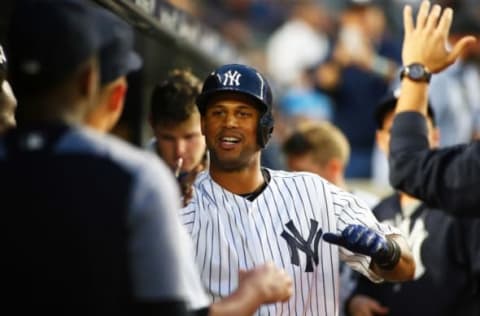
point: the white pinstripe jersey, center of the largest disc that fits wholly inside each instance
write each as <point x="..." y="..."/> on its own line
<point x="284" y="225"/>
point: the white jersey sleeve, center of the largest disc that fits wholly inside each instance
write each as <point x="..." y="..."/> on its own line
<point x="349" y="209"/>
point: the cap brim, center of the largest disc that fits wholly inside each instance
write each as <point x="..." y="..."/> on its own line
<point x="134" y="62"/>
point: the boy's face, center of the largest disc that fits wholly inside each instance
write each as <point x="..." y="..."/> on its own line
<point x="181" y="140"/>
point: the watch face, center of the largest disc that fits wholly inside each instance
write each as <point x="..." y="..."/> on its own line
<point x="416" y="71"/>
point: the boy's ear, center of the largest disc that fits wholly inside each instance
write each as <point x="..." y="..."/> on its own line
<point x="334" y="168"/>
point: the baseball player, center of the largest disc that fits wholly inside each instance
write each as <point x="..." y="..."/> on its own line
<point x="242" y="215"/>
<point x="445" y="250"/>
<point x="115" y="63"/>
<point x="90" y="224"/>
<point x="8" y="103"/>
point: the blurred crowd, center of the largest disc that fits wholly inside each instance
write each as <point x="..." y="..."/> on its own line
<point x="334" y="60"/>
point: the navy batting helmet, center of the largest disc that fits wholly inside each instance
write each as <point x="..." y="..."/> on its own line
<point x="244" y="80"/>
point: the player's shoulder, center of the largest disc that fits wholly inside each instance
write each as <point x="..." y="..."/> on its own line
<point x="112" y="150"/>
<point x="289" y="175"/>
<point x="288" y="178"/>
<point x="369" y="198"/>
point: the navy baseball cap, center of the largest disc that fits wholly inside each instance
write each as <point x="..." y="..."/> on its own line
<point x="388" y="103"/>
<point x="117" y="57"/>
<point x="48" y="40"/>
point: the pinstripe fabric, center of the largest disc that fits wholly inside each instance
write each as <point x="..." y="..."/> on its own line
<point x="230" y="233"/>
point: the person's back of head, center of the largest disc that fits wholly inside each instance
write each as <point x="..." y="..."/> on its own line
<point x="318" y="147"/>
<point x="53" y="66"/>
<point x="117" y="60"/>
<point x="173" y="100"/>
<point x="384" y="115"/>
<point x="312" y="13"/>
<point x="8" y="102"/>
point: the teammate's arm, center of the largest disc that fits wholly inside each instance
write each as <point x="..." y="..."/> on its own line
<point x="444" y="178"/>
<point x="263" y="285"/>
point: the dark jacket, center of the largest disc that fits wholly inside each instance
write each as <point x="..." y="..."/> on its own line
<point x="445" y="250"/>
<point x="447" y="178"/>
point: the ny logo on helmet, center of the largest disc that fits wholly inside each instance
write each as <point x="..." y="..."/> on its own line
<point x="231" y="79"/>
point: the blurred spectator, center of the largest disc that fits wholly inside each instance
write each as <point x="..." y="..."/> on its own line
<point x="245" y="23"/>
<point x="291" y="52"/>
<point x="455" y="93"/>
<point x="362" y="63"/>
<point x="298" y="45"/>
<point x="300" y="103"/>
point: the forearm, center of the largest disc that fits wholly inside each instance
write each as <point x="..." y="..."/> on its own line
<point x="404" y="270"/>
<point x="408" y="146"/>
<point x="241" y="302"/>
<point x="413" y="97"/>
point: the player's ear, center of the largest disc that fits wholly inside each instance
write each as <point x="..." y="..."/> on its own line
<point x="117" y="95"/>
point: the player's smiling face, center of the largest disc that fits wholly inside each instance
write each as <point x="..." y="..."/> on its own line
<point x="230" y="128"/>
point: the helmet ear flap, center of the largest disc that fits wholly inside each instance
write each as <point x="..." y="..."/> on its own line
<point x="265" y="128"/>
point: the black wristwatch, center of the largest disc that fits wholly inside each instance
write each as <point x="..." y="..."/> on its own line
<point x="416" y="72"/>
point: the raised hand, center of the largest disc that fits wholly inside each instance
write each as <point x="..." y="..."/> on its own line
<point x="425" y="42"/>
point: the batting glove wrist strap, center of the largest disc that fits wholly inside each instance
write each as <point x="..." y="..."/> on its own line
<point x="389" y="257"/>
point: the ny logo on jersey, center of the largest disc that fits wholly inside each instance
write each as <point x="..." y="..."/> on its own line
<point x="296" y="242"/>
<point x="231" y="79"/>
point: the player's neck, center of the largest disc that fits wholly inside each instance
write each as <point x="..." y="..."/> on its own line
<point x="239" y="182"/>
<point x="406" y="199"/>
